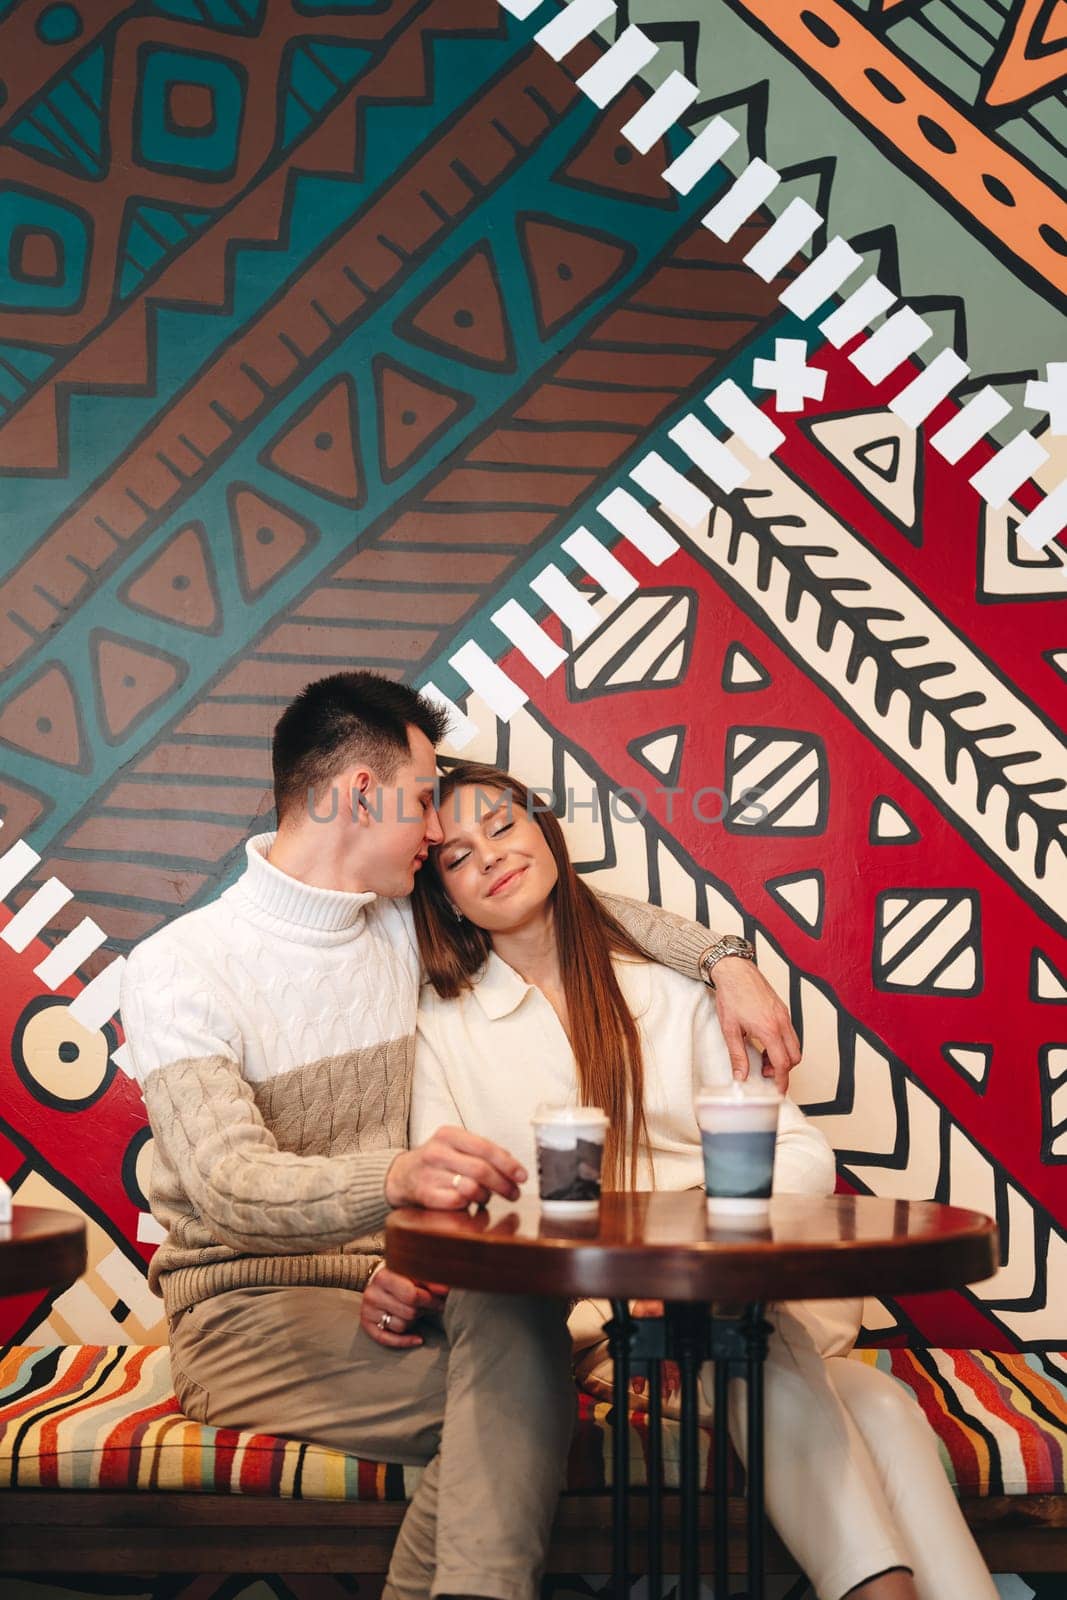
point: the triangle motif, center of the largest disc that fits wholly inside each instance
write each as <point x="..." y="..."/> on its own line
<point x="1035" y="56"/>
<point x="802" y="895"/>
<point x="568" y="267"/>
<point x="1047" y="983"/>
<point x="131" y="680"/>
<point x="889" y="825"/>
<point x="463" y="316"/>
<point x="1022" y="554"/>
<point x="972" y="1060"/>
<point x="43" y="719"/>
<point x="319" y="448"/>
<point x="268" y="536"/>
<point x="605" y="163"/>
<point x="413" y="413"/>
<point x="179" y="583"/>
<point x="660" y="752"/>
<point x="882" y="456"/>
<point x="1007" y="567"/>
<point x="742" y="671"/>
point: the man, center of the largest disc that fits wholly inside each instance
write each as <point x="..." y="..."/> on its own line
<point x="273" y="1033"/>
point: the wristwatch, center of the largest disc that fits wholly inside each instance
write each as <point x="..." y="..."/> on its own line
<point x="729" y="945"/>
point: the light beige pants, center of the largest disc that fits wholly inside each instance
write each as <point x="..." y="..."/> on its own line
<point x="486" y="1404"/>
<point x="854" y="1482"/>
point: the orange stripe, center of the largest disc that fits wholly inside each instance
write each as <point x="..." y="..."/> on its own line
<point x="987" y="1385"/>
<point x="953" y="1432"/>
<point x="843" y="53"/>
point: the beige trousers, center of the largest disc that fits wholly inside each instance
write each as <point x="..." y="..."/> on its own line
<point x="854" y="1482"/>
<point x="486" y="1404"/>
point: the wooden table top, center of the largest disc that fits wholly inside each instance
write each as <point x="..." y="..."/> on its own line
<point x="40" y="1249"/>
<point x="662" y="1247"/>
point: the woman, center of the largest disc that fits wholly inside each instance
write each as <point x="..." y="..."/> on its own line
<point x="536" y="995"/>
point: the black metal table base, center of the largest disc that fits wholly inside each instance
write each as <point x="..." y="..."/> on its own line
<point x="690" y="1335"/>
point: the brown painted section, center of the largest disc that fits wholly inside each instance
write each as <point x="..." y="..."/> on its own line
<point x="119" y="359"/>
<point x="429" y="582"/>
<point x="387" y="605"/>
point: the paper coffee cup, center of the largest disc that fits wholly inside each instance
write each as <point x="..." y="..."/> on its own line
<point x="570" y="1154"/>
<point x="738" y="1127"/>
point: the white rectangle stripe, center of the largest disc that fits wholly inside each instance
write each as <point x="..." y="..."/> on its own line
<point x="858" y="311"/>
<point x="36" y="914"/>
<point x="608" y="77"/>
<point x="830" y="269"/>
<point x="573" y="24"/>
<point x="500" y="693"/>
<point x="525" y="634"/>
<point x="729" y="402"/>
<point x="898" y="338"/>
<point x="99" y="1000"/>
<point x="743" y="196"/>
<point x="149" y="1230"/>
<point x="520" y="8"/>
<point x="638" y="525"/>
<point x="123" y="1059"/>
<point x="14" y="866"/>
<point x="1046" y="520"/>
<point x="601" y="565"/>
<point x="670" y="488"/>
<point x="798" y="223"/>
<point x="925" y="393"/>
<point x="575" y="610"/>
<point x="63" y="962"/>
<point x="461" y="730"/>
<point x="674" y="95"/>
<point x="963" y="431"/>
<point x="698" y="158"/>
<point x="709" y="453"/>
<point x="1002" y="474"/>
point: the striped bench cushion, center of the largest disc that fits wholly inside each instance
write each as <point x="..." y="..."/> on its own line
<point x="105" y="1417"/>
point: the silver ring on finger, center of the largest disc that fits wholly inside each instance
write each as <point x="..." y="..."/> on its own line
<point x="385" y="1322"/>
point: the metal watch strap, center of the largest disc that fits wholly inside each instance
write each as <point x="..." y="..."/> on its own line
<point x="728" y="945"/>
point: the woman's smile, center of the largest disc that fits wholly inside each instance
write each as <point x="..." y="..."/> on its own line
<point x="507" y="880"/>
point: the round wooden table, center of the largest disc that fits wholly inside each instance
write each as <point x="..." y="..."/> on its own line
<point x="714" y="1281"/>
<point x="40" y="1249"/>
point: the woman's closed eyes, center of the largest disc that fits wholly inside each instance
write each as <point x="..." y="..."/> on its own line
<point x="454" y="861"/>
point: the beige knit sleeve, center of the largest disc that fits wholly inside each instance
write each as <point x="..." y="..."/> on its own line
<point x="664" y="936"/>
<point x="186" y="1048"/>
<point x="251" y="1195"/>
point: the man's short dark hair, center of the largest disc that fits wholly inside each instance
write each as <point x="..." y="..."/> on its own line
<point x="348" y="717"/>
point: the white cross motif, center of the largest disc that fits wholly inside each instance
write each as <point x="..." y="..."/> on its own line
<point x="1050" y="396"/>
<point x="789" y="375"/>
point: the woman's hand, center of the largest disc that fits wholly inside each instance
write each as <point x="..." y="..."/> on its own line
<point x="399" y="1302"/>
<point x="670" y="1378"/>
<point x="748" y="1008"/>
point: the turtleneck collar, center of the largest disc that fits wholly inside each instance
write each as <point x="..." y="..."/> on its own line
<point x="265" y="889"/>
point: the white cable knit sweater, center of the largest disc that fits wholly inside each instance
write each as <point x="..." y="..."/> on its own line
<point x="273" y="1033"/>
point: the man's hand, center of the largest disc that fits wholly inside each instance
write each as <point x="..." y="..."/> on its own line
<point x="451" y="1171"/>
<point x="748" y="1008"/>
<point x="400" y="1301"/>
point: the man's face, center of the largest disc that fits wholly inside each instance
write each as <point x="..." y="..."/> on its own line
<point x="401" y="822"/>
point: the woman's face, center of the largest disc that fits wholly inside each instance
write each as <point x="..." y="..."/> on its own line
<point x="494" y="861"/>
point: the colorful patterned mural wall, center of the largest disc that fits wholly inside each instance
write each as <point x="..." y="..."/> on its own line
<point x="690" y="443"/>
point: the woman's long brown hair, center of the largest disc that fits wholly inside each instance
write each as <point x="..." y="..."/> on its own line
<point x="603" y="1034"/>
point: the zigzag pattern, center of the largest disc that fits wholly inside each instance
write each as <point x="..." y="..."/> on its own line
<point x="891" y="1135"/>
